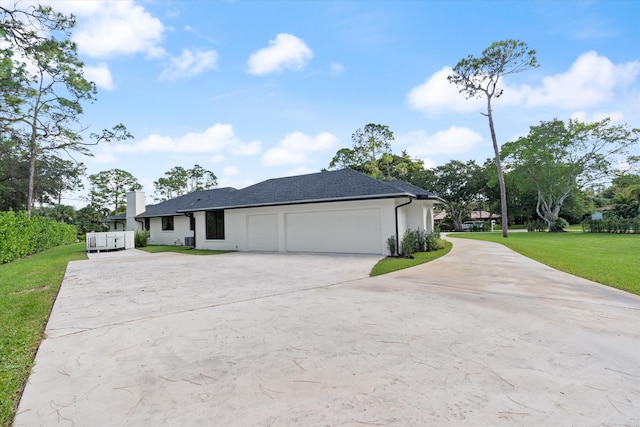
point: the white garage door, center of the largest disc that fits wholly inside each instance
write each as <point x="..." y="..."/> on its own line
<point x="344" y="231"/>
<point x="262" y="231"/>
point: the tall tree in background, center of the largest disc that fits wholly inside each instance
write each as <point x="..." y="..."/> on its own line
<point x="109" y="189"/>
<point x="478" y="77"/>
<point x="370" y="143"/>
<point x="20" y="29"/>
<point x="45" y="104"/>
<point x="178" y="181"/>
<point x="561" y="159"/>
<point x="198" y="178"/>
<point x="370" y="153"/>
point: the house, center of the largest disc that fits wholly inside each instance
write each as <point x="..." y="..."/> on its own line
<point x="340" y="211"/>
<point x="474" y="216"/>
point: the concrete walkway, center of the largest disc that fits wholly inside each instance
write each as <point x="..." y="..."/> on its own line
<point x="482" y="336"/>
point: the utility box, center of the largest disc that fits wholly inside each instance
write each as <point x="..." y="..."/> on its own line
<point x="111" y="240"/>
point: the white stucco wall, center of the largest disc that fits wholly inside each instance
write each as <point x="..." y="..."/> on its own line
<point x="174" y="237"/>
<point x="287" y="220"/>
<point x="322" y="216"/>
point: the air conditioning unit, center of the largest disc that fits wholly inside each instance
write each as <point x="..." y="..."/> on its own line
<point x="190" y="241"/>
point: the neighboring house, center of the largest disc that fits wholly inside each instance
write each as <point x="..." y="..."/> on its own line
<point x="474" y="216"/>
<point x="336" y="211"/>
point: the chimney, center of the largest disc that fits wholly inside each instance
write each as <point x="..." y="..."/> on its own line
<point x="135" y="206"/>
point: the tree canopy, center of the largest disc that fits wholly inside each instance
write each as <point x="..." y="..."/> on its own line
<point x="178" y="181"/>
<point x="108" y="190"/>
<point x="460" y="185"/>
<point x="370" y="152"/>
<point x="561" y="158"/>
<point x="41" y="103"/>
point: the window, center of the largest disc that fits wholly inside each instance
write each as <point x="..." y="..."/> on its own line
<point x="167" y="223"/>
<point x="147" y="223"/>
<point x="215" y="225"/>
<point x="192" y="223"/>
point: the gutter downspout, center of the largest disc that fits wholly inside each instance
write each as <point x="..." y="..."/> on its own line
<point x="397" y="236"/>
<point x="191" y="218"/>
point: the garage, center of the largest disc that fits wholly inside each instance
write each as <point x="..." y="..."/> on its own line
<point x="262" y="232"/>
<point x="343" y="231"/>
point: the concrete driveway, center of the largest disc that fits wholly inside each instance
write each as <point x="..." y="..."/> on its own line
<point x="482" y="336"/>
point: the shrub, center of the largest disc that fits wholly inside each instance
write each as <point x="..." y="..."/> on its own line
<point x="612" y="225"/>
<point x="420" y="241"/>
<point x="21" y="236"/>
<point x="536" y="226"/>
<point x="433" y="242"/>
<point x="408" y="244"/>
<point x="391" y="245"/>
<point x="141" y="238"/>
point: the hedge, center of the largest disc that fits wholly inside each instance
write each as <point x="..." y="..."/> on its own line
<point x="612" y="225"/>
<point x="21" y="236"/>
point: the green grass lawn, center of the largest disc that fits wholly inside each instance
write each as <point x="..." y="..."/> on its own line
<point x="180" y="249"/>
<point x="28" y="288"/>
<point x="389" y="264"/>
<point x="610" y="259"/>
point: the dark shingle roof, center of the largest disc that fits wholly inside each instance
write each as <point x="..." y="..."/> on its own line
<point x="345" y="184"/>
<point x="119" y="217"/>
<point x="185" y="202"/>
<point x="419" y="192"/>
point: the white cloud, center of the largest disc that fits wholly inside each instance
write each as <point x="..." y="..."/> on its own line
<point x="100" y="75"/>
<point x="455" y="140"/>
<point x="285" y="52"/>
<point x="104" y="157"/>
<point x="249" y="149"/>
<point x="336" y="69"/>
<point x="296" y="146"/>
<point x="615" y="116"/>
<point x="190" y="64"/>
<point x="218" y="158"/>
<point x="109" y="28"/>
<point x="213" y="140"/>
<point x="437" y="95"/>
<point x="231" y="171"/>
<point x="591" y="80"/>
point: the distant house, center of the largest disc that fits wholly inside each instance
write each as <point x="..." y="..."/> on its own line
<point x="337" y="211"/>
<point x="474" y="216"/>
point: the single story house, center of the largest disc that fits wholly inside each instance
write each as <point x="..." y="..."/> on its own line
<point x="340" y="211"/>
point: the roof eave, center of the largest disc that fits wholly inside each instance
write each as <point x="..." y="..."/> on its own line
<point x="309" y="201"/>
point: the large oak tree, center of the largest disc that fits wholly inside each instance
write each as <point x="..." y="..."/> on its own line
<point x="562" y="158"/>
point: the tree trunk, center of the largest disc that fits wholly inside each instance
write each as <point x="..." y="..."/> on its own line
<point x="503" y="189"/>
<point x="33" y="151"/>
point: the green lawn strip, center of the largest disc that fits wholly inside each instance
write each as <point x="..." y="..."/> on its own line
<point x="28" y="288"/>
<point x="610" y="259"/>
<point x="154" y="249"/>
<point x="390" y="264"/>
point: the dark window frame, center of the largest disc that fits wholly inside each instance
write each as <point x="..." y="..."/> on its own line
<point x="215" y="225"/>
<point x="167" y="223"/>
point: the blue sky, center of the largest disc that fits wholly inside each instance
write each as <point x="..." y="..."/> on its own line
<point x="253" y="90"/>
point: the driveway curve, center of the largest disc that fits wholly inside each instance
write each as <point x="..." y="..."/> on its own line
<point x="482" y="336"/>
